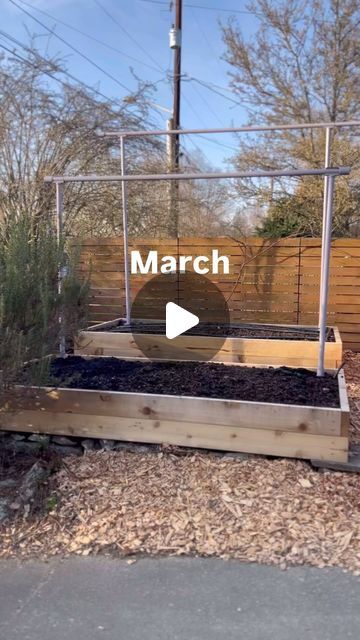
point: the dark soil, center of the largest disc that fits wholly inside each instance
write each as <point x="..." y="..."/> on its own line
<point x="212" y="380"/>
<point x="236" y="331"/>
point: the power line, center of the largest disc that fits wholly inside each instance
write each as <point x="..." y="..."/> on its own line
<point x="89" y="36"/>
<point x="184" y="145"/>
<point x="218" y="143"/>
<point x="210" y="140"/>
<point x="193" y="110"/>
<point x="128" y="34"/>
<point x="208" y="106"/>
<point x="217" y="86"/>
<point x="66" y="73"/>
<point x="68" y="44"/>
<point x="51" y="75"/>
<point x="205" y="8"/>
<point x="123" y="86"/>
<point x="211" y="88"/>
<point x="205" y="38"/>
<point x="48" y="73"/>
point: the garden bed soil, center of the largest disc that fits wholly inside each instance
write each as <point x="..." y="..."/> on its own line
<point x="266" y="332"/>
<point x="281" y="385"/>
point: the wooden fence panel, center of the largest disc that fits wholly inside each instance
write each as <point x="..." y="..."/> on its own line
<point x="269" y="281"/>
<point x="344" y="290"/>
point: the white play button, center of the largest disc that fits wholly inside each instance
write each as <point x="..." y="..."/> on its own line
<point x="178" y="320"/>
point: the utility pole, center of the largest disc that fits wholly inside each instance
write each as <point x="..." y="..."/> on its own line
<point x="177" y="79"/>
<point x="175" y="44"/>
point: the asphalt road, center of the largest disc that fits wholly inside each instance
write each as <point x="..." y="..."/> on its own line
<point x="175" y="599"/>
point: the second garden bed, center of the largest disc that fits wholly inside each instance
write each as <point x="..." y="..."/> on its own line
<point x="291" y="345"/>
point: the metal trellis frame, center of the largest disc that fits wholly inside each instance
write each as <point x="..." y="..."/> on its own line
<point x="328" y="126"/>
<point x="330" y="173"/>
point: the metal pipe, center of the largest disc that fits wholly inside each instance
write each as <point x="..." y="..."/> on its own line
<point x="325" y="270"/>
<point x="326" y="182"/>
<point x="334" y="171"/>
<point x="59" y="231"/>
<point x="274" y="127"/>
<point x="125" y="232"/>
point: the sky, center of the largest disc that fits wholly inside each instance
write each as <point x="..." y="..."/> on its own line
<point x="140" y="29"/>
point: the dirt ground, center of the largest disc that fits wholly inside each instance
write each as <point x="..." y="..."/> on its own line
<point x="181" y="502"/>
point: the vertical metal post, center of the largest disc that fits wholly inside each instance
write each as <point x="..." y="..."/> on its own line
<point x="325" y="269"/>
<point x="59" y="231"/>
<point x="125" y="232"/>
<point x="326" y="185"/>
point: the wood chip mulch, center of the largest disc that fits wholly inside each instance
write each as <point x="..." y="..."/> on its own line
<point x="270" y="511"/>
<point x="273" y="511"/>
<point x="352" y="376"/>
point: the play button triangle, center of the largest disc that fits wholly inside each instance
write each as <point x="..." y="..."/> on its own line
<point x="178" y="320"/>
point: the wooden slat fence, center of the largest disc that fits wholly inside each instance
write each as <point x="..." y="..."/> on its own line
<point x="269" y="281"/>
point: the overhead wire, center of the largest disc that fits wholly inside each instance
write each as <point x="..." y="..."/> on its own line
<point x="89" y="36"/>
<point x="129" y="35"/>
<point x="218" y="143"/>
<point x="105" y="72"/>
<point x="208" y="106"/>
<point x="205" y="38"/>
<point x="49" y="73"/>
<point x="83" y="55"/>
<point x="76" y="50"/>
<point x="204" y="7"/>
<point x="209" y="140"/>
<point x="211" y="88"/>
<point x="71" y="46"/>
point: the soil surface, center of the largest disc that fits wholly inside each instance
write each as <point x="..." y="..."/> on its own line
<point x="237" y="331"/>
<point x="212" y="380"/>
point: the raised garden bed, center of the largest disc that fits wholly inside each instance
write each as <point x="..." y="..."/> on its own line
<point x="294" y="346"/>
<point x="212" y="406"/>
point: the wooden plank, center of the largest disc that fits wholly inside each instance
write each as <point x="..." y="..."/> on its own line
<point x="202" y="435"/>
<point x="354" y="346"/>
<point x="111" y="240"/>
<point x="212" y="411"/>
<point x="337" y="298"/>
<point x="336" y="249"/>
<point x="342" y="242"/>
<point x="221" y="241"/>
<point x="111" y="310"/>
<point x="344" y="404"/>
<point x="239" y="346"/>
<point x="107" y="325"/>
<point x="297" y="353"/>
<point x="98" y="316"/>
<point x="308" y="363"/>
<point x="107" y="301"/>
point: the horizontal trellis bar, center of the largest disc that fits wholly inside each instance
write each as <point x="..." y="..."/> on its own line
<point x="332" y="171"/>
<point x="245" y="128"/>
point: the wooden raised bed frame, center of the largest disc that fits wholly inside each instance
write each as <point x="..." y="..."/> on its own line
<point x="293" y="353"/>
<point x="229" y="425"/>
